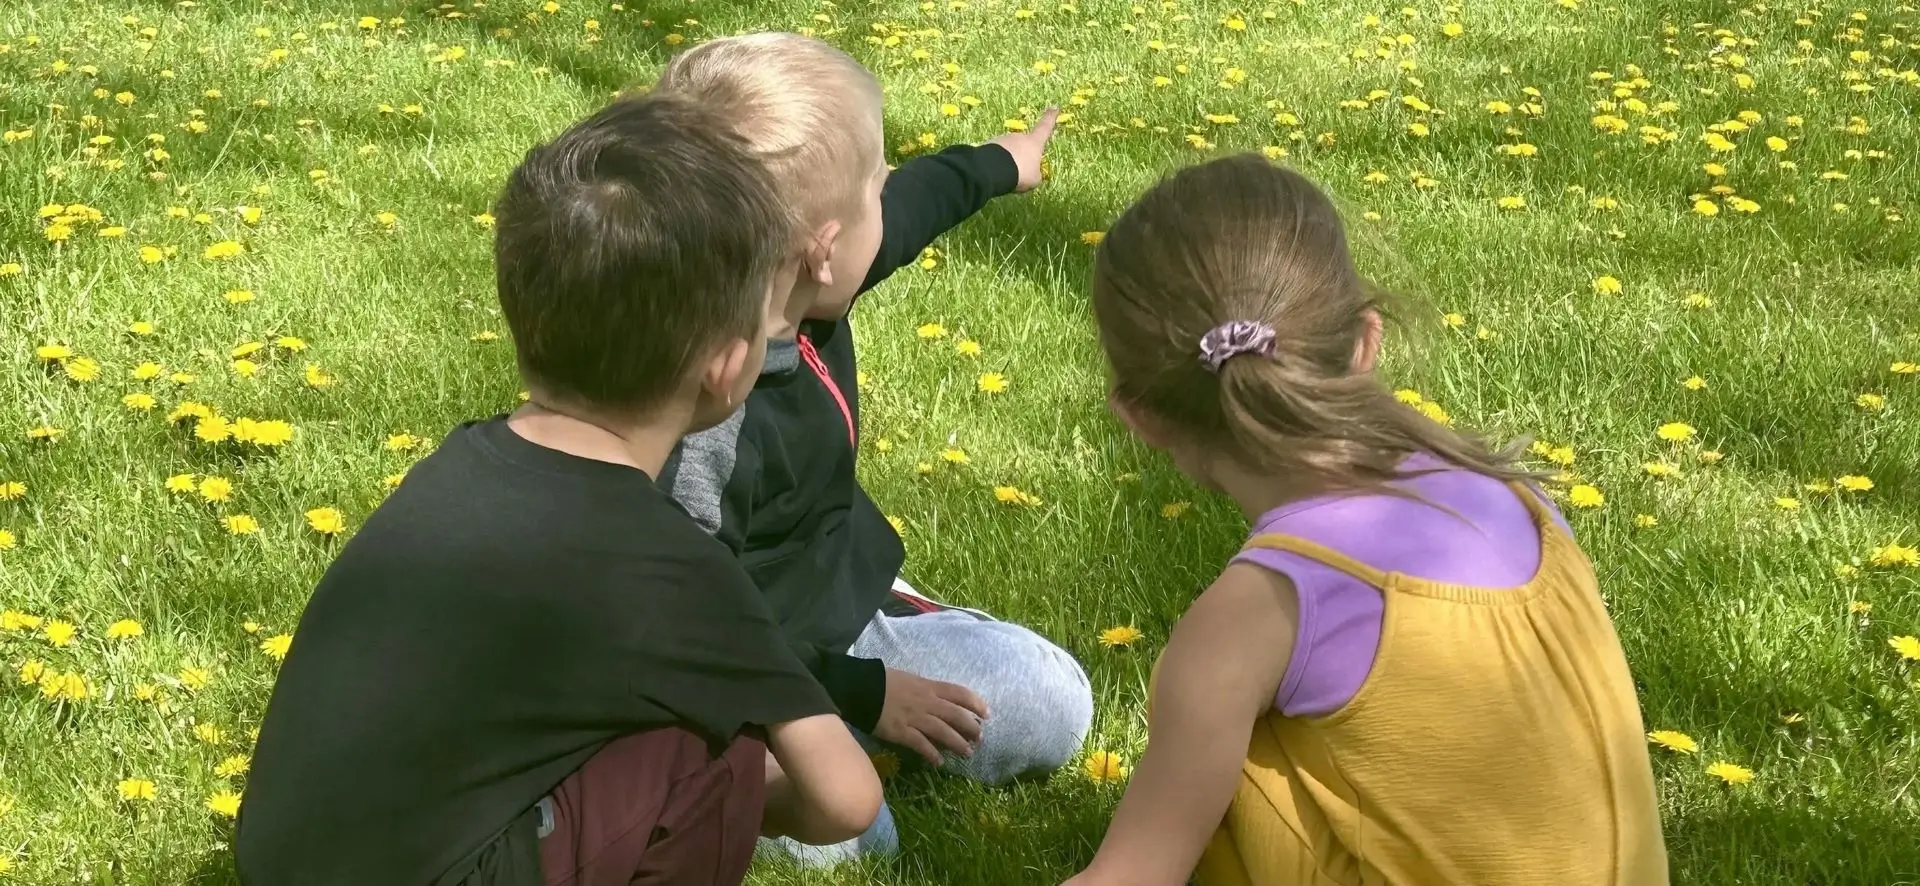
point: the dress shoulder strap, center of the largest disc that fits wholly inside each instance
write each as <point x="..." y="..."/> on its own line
<point x="1318" y="553"/>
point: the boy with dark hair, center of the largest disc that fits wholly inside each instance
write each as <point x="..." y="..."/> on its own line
<point x="530" y="666"/>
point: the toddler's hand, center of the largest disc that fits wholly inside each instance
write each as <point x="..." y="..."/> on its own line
<point x="927" y="716"/>
<point x="1028" y="148"/>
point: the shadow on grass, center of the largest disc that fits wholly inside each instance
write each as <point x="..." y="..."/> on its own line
<point x="215" y="869"/>
<point x="1814" y="843"/>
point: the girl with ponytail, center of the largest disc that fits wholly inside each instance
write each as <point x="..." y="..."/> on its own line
<point x="1408" y="675"/>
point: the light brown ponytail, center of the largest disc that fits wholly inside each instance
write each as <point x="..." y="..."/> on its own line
<point x="1239" y="239"/>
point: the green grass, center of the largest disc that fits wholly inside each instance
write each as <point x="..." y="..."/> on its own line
<point x="1734" y="611"/>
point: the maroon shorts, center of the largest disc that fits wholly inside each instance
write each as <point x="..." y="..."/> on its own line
<point x="657" y="808"/>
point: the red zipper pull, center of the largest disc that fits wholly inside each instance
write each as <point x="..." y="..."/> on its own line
<point x="819" y="367"/>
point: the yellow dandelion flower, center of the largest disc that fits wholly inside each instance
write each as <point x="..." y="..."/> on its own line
<point x="124" y="629"/>
<point x="139" y="401"/>
<point x="1105" y="767"/>
<point x="1013" y="495"/>
<point x="1174" y="510"/>
<point x="1854" y="483"/>
<point x="1895" y="555"/>
<point x="225" y="804"/>
<point x="59" y="632"/>
<point x="216" y="489"/>
<point x="931" y="331"/>
<point x="212" y="429"/>
<point x="12" y="490"/>
<point x="138" y="789"/>
<point x="211" y="733"/>
<point x="194" y="679"/>
<point x="326" y="521"/>
<point x="225" y="249"/>
<point x="967" y="347"/>
<point x="1906" y="647"/>
<point x="81" y="369"/>
<point x="1871" y="402"/>
<point x="1124" y="635"/>
<point x="1730" y="773"/>
<point x="1645" y="521"/>
<point x="1607" y="285"/>
<point x="993" y="383"/>
<point x="53" y="353"/>
<point x="271" y="433"/>
<point x="954" y="455"/>
<point x="1678" y="742"/>
<point x="1675" y="432"/>
<point x="1585" y="496"/>
<point x="238" y="764"/>
<point x="183" y="483"/>
<point x="277" y="645"/>
<point x="240" y="524"/>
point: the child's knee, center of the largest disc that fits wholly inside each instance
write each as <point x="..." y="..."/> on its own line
<point x="1039" y="712"/>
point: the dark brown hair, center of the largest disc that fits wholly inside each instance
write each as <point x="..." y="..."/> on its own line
<point x="1242" y="239"/>
<point x="630" y="246"/>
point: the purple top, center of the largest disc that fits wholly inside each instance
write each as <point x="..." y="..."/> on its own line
<point x="1496" y="546"/>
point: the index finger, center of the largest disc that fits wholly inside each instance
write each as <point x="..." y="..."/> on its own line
<point x="963" y="697"/>
<point x="1044" y="126"/>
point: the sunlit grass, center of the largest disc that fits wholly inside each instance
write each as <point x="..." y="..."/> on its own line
<point x="1564" y="281"/>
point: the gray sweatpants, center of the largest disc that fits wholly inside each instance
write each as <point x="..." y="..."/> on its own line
<point x="1039" y="702"/>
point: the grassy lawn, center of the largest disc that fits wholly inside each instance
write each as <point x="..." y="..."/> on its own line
<point x="1614" y="217"/>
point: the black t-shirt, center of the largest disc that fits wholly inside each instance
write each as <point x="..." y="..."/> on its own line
<point x="507" y="611"/>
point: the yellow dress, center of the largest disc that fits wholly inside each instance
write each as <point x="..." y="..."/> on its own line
<point x="1497" y="740"/>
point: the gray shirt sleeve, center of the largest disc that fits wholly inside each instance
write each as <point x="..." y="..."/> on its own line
<point x="698" y="470"/>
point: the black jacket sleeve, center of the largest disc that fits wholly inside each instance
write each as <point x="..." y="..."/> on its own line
<point x="928" y="196"/>
<point x="857" y="686"/>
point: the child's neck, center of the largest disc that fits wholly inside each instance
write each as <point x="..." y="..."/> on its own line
<point x="1255" y="492"/>
<point x="643" y="445"/>
<point x="800" y="300"/>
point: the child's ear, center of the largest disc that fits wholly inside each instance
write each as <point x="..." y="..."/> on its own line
<point x="1137" y="420"/>
<point x="819" y="255"/>
<point x="1366" y="351"/>
<point x="724" y="368"/>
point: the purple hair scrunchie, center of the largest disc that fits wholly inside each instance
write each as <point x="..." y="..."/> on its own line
<point x="1230" y="340"/>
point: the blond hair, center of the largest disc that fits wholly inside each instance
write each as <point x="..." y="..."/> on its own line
<point x="810" y="111"/>
<point x="1240" y="239"/>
